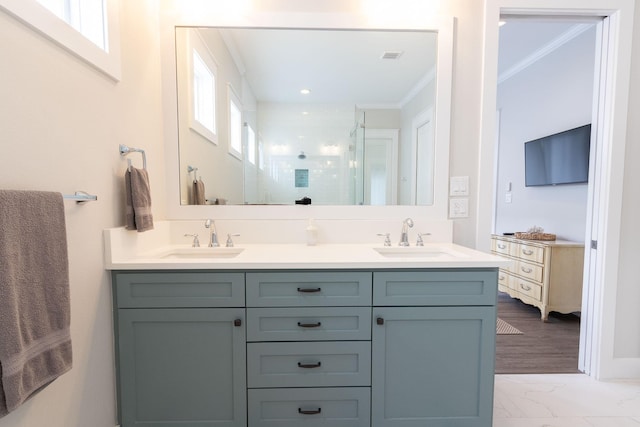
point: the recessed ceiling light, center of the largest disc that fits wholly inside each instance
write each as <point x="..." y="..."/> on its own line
<point x="305" y="91"/>
<point x="391" y="54"/>
<point x="305" y="113"/>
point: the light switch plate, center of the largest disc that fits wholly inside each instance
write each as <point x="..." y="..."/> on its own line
<point x="459" y="186"/>
<point x="459" y="208"/>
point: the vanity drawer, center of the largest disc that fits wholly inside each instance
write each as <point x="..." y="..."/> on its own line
<point x="528" y="252"/>
<point x="309" y="364"/>
<point x="290" y="289"/>
<point x="530" y="289"/>
<point x="501" y="246"/>
<point x="312" y="407"/>
<point x="529" y="271"/>
<point x="309" y="324"/>
<point x="435" y="287"/>
<point x="179" y="289"/>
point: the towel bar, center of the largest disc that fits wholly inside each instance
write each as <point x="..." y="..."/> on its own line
<point x="80" y="197"/>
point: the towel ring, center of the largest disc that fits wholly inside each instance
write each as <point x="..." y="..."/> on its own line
<point x="126" y="150"/>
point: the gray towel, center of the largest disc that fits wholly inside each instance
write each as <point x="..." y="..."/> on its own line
<point x="138" y="203"/>
<point x="198" y="193"/>
<point x="35" y="343"/>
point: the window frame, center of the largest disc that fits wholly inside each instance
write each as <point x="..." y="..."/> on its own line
<point x="42" y="20"/>
<point x="196" y="44"/>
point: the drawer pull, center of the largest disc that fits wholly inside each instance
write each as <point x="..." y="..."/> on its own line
<point x="310" y="325"/>
<point x="309" y="412"/>
<point x="379" y="321"/>
<point x="309" y="290"/>
<point x="501" y="278"/>
<point x="527" y="251"/>
<point x="500" y="246"/>
<point x="309" y="365"/>
<point x="526" y="288"/>
<point x="237" y="322"/>
<point x="526" y="270"/>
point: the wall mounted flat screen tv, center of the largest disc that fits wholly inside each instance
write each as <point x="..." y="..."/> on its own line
<point x="561" y="158"/>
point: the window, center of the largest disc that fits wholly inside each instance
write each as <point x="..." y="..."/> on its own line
<point x="88" y="18"/>
<point x="204" y="95"/>
<point x="260" y="155"/>
<point x="251" y="145"/>
<point x="235" y="125"/>
<point x="86" y="28"/>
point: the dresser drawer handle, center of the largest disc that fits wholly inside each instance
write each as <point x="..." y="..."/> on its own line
<point x="309" y="365"/>
<point x="501" y="278"/>
<point x="309" y="290"/>
<point x="309" y="412"/>
<point x="526" y="270"/>
<point x="527" y="251"/>
<point x="500" y="246"/>
<point x="309" y="325"/>
<point x="526" y="288"/>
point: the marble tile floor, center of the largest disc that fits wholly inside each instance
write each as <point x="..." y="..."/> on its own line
<point x="565" y="400"/>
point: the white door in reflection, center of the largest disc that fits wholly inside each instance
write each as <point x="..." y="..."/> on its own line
<point x="423" y="161"/>
<point x="380" y="166"/>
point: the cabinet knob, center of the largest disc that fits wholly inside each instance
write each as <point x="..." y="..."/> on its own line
<point x="379" y="321"/>
<point x="237" y="322"/>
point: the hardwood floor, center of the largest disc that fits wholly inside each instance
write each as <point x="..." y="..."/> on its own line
<point x="543" y="348"/>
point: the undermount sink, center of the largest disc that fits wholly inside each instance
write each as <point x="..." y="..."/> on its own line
<point x="202" y="253"/>
<point x="417" y="252"/>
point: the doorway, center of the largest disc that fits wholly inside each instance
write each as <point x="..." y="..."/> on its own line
<point x="545" y="87"/>
<point x="603" y="220"/>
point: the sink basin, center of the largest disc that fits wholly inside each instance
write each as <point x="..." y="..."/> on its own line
<point x="202" y="253"/>
<point x="417" y="252"/>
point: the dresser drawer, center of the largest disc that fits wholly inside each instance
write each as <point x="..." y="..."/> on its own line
<point x="309" y="364"/>
<point x="309" y="407"/>
<point x="530" y="289"/>
<point x="180" y="289"/>
<point x="290" y="289"/>
<point x="309" y="324"/>
<point x="435" y="287"/>
<point x="528" y="252"/>
<point x="501" y="246"/>
<point x="529" y="271"/>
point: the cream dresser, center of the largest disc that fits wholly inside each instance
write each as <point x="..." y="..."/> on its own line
<point x="546" y="274"/>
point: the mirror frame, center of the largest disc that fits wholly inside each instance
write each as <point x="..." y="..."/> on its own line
<point x="171" y="18"/>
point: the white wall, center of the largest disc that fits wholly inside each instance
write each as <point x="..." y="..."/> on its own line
<point x="60" y="125"/>
<point x="81" y="116"/>
<point x="552" y="95"/>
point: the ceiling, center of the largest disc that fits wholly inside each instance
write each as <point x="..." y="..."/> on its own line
<point x="337" y="66"/>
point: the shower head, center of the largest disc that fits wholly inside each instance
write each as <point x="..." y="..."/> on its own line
<point x="302" y="156"/>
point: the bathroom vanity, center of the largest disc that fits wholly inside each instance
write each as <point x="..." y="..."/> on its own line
<point x="386" y="339"/>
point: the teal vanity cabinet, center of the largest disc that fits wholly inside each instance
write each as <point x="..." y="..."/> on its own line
<point x="433" y="348"/>
<point x="306" y="348"/>
<point x="180" y="348"/>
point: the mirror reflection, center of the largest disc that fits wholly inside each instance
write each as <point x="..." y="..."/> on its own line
<point x="284" y="116"/>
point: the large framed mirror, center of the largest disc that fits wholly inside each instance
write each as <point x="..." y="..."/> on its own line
<point x="339" y="115"/>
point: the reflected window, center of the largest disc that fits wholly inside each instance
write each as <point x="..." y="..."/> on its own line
<point x="204" y="97"/>
<point x="235" y="125"/>
<point x="251" y="145"/>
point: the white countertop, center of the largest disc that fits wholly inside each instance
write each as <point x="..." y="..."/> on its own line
<point x="298" y="256"/>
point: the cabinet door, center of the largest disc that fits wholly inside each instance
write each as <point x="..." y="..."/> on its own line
<point x="432" y="366"/>
<point x="182" y="367"/>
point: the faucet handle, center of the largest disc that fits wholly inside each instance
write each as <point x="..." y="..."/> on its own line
<point x="420" y="242"/>
<point x="230" y="241"/>
<point x="196" y="241"/>
<point x="387" y="240"/>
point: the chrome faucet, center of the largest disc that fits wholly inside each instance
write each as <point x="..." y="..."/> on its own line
<point x="213" y="234"/>
<point x="404" y="235"/>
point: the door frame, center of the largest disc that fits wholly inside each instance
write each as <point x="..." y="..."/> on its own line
<point x="600" y="294"/>
<point x="392" y="135"/>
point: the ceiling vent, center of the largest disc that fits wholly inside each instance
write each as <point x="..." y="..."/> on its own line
<point x="391" y="54"/>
